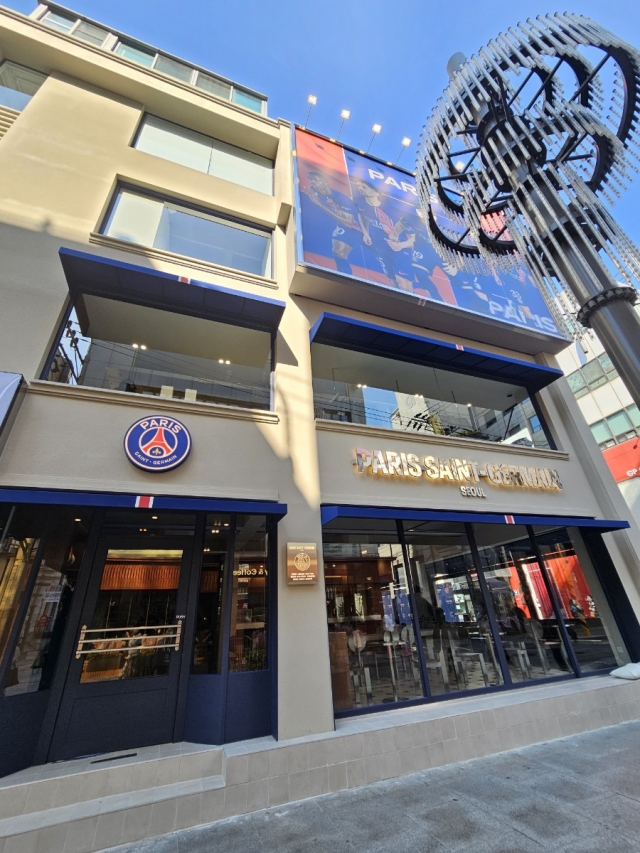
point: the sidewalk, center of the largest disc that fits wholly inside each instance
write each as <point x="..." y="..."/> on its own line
<point x="579" y="794"/>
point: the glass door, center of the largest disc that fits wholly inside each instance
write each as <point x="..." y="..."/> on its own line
<point x="122" y="686"/>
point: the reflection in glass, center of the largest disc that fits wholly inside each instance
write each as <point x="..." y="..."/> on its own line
<point x="148" y="221"/>
<point x="248" y="629"/>
<point x="18" y="85"/>
<point x="206" y="653"/>
<point x="528" y="627"/>
<point x="133" y="348"/>
<point x="372" y="644"/>
<point x="361" y="388"/>
<point x="594" y="640"/>
<point x="133" y="629"/>
<point x="454" y="627"/>
<point x="53" y="538"/>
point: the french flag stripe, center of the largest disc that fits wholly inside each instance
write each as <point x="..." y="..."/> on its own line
<point x="460" y="347"/>
<point x="144" y="501"/>
<point x="509" y="519"/>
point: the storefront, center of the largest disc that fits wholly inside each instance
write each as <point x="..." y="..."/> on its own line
<point x="131" y="621"/>
<point x="426" y="605"/>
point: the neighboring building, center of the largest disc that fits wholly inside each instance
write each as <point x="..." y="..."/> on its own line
<point x="609" y="410"/>
<point x="167" y="285"/>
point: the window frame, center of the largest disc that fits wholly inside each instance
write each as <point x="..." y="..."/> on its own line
<point x="198" y="210"/>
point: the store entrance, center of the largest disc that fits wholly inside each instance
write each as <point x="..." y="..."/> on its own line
<point x="122" y="685"/>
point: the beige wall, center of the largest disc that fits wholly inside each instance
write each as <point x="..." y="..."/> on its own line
<point x="59" y="164"/>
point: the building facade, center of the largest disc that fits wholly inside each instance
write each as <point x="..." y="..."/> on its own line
<point x="221" y="515"/>
<point x="610" y="412"/>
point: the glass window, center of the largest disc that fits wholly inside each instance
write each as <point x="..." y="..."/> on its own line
<point x="456" y="635"/>
<point x="241" y="167"/>
<point x="135" y="54"/>
<point x="172" y="142"/>
<point x="595" y="638"/>
<point x="619" y="424"/>
<point x="360" y="388"/>
<point x="249" y="596"/>
<point x="50" y="542"/>
<point x="245" y="99"/>
<point x="594" y="374"/>
<point x="18" y="85"/>
<point x="90" y="33"/>
<point x="62" y="23"/>
<point x="207" y="646"/>
<point x="607" y="365"/>
<point x="133" y="628"/>
<point x="163" y="225"/>
<point x="576" y="381"/>
<point x="529" y="631"/>
<point x="601" y="432"/>
<point x="214" y="86"/>
<point x="372" y="638"/>
<point x="173" y="68"/>
<point x="634" y="414"/>
<point x="124" y="347"/>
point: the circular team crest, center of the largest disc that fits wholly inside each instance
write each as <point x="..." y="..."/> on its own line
<point x="302" y="561"/>
<point x="157" y="443"/>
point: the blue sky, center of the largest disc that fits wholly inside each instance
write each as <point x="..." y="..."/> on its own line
<point x="383" y="61"/>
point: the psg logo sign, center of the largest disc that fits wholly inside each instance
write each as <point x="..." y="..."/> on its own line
<point x="157" y="443"/>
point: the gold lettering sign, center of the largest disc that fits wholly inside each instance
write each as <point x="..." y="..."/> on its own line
<point x="302" y="563"/>
<point x="388" y="463"/>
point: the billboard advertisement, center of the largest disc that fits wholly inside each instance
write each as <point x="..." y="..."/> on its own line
<point x="361" y="219"/>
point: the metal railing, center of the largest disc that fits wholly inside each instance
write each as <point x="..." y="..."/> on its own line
<point x="119" y="641"/>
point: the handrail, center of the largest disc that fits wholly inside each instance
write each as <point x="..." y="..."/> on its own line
<point x="174" y="634"/>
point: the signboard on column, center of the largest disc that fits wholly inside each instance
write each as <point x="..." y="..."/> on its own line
<point x="302" y="563"/>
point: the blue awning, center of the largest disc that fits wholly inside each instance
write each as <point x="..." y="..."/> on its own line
<point x="335" y="330"/>
<point x="128" y="501"/>
<point x="113" y="279"/>
<point x="329" y="513"/>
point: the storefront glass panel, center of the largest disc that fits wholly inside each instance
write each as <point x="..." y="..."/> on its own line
<point x="372" y="638"/>
<point x="594" y="637"/>
<point x="134" y="626"/>
<point x="528" y="627"/>
<point x="249" y="596"/>
<point x="209" y="618"/>
<point x="459" y="650"/>
<point x="47" y="541"/>
<point x="361" y="388"/>
<point x="141" y="350"/>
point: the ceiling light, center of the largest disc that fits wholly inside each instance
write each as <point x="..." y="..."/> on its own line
<point x="154" y="517"/>
<point x="77" y="519"/>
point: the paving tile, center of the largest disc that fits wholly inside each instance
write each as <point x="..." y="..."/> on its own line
<point x="616" y="812"/>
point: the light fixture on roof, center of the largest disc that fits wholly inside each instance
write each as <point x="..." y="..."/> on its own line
<point x="376" y="128"/>
<point x="344" y="115"/>
<point x="406" y="142"/>
<point x="312" y="101"/>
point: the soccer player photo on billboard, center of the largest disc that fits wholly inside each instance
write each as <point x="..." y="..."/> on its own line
<point x="360" y="218"/>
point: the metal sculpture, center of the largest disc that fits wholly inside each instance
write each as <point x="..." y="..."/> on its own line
<point x="530" y="140"/>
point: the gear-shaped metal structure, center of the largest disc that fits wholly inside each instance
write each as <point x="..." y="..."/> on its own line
<point x="534" y="136"/>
